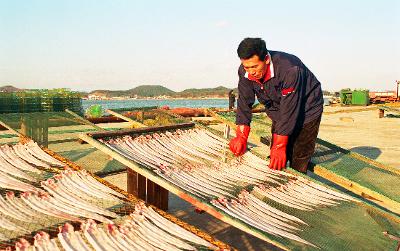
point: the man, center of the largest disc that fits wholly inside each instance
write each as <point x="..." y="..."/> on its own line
<point x="293" y="99"/>
<point x="232" y="99"/>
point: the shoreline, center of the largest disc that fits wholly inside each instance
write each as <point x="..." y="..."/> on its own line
<point x="124" y="99"/>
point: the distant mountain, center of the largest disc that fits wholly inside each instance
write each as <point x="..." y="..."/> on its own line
<point x="140" y="91"/>
<point x="9" y="88"/>
<point x="158" y="90"/>
<point x="219" y="91"/>
<point x="108" y="93"/>
<point x="151" y="91"/>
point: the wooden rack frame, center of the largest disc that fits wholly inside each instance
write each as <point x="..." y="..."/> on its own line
<point x="352" y="186"/>
<point x="131" y="198"/>
<point x="91" y="138"/>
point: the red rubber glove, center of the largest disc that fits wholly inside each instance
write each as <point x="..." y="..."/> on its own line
<point x="278" y="152"/>
<point x="238" y="145"/>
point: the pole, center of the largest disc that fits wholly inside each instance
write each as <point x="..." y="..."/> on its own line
<point x="134" y="123"/>
<point x="84" y="121"/>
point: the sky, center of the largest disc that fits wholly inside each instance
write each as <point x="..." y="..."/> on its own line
<point x="86" y="45"/>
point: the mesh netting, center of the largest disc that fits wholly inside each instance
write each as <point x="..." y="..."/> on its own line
<point x="155" y="117"/>
<point x="130" y="109"/>
<point x="88" y="157"/>
<point x="94" y="160"/>
<point x="260" y="126"/>
<point x="38" y="125"/>
<point x="51" y="224"/>
<point x="339" y="161"/>
<point x="60" y="132"/>
<point x="48" y="223"/>
<point x="133" y="200"/>
<point x="366" y="174"/>
<point x="347" y="226"/>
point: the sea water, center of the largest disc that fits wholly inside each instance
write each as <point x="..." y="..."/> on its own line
<point x="172" y="103"/>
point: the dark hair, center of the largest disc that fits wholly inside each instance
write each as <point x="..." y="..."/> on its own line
<point x="252" y="46"/>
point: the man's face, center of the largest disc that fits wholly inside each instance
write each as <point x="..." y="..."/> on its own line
<point x="255" y="67"/>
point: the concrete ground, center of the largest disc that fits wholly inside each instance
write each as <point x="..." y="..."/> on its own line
<point x="363" y="132"/>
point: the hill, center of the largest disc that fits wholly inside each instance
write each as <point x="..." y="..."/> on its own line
<point x="140" y="91"/>
<point x="9" y="88"/>
<point x="158" y="90"/>
<point x="144" y="91"/>
<point x="219" y="91"/>
<point x="151" y="91"/>
<point x="109" y="93"/>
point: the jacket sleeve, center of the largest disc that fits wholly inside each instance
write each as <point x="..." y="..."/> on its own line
<point x="290" y="102"/>
<point x="245" y="100"/>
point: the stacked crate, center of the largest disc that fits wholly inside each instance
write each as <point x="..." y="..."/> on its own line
<point x="46" y="100"/>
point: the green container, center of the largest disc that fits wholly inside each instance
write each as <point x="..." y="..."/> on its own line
<point x="346" y="96"/>
<point x="360" y="97"/>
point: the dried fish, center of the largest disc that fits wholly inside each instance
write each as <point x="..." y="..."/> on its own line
<point x="192" y="160"/>
<point x="21" y="152"/>
<point x="35" y="150"/>
<point x="8" y="154"/>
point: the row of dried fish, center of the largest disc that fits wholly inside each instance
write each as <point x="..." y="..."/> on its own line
<point x="74" y="196"/>
<point x="194" y="160"/>
<point x="144" y="229"/>
<point x="71" y="195"/>
<point x="21" y="161"/>
<point x="216" y="179"/>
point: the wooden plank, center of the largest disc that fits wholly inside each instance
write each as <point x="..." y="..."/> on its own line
<point x="164" y="198"/>
<point x="181" y="193"/>
<point x="150" y="194"/>
<point x="389" y="109"/>
<point x="135" y="109"/>
<point x="11" y="129"/>
<point x="132" y="182"/>
<point x="134" y="123"/>
<point x="123" y="132"/>
<point x="375" y="163"/>
<point x="381" y="113"/>
<point x="160" y="196"/>
<point x="140" y="116"/>
<point x="147" y="190"/>
<point x="356" y="188"/>
<point x="84" y="121"/>
<point x="157" y="197"/>
<point x="142" y="187"/>
<point x="359" y="156"/>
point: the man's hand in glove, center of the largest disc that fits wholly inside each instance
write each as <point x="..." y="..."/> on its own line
<point x="238" y="145"/>
<point x="278" y="152"/>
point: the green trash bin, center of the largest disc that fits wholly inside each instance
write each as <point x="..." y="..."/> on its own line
<point x="360" y="97"/>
